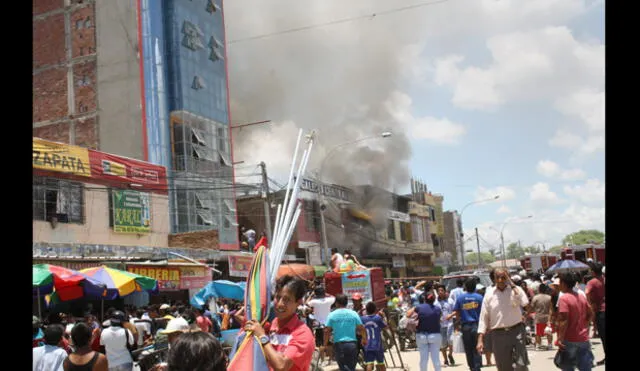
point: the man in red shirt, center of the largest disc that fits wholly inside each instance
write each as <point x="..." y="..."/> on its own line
<point x="595" y="294"/>
<point x="574" y="315"/>
<point x="290" y="343"/>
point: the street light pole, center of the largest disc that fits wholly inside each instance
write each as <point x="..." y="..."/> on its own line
<point x="504" y="255"/>
<point x="462" y="230"/>
<point x="323" y="225"/>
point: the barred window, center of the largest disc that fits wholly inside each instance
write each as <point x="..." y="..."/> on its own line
<point x="58" y="198"/>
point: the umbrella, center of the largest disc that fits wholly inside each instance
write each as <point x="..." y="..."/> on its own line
<point x="67" y="283"/>
<point x="121" y="283"/>
<point x="219" y="289"/>
<point x="247" y="353"/>
<point x="567" y="265"/>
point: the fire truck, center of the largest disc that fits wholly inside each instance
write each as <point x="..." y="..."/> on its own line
<point x="535" y="263"/>
<point x="596" y="252"/>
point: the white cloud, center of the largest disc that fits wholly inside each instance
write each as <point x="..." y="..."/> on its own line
<point x="586" y="104"/>
<point x="541" y="194"/>
<point x="503" y="210"/>
<point x="505" y="193"/>
<point x="546" y="63"/>
<point x="581" y="145"/>
<point x="591" y="192"/>
<point x="435" y="129"/>
<point x="551" y="169"/>
<point x="548" y="168"/>
<point x="573" y="174"/>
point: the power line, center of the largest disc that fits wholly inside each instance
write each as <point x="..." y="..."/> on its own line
<point x="338" y="21"/>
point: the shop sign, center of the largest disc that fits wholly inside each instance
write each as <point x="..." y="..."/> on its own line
<point x="194" y="277"/>
<point x="118" y="170"/>
<point x="239" y="265"/>
<point x="60" y="157"/>
<point x="168" y="277"/>
<point x="131" y="212"/>
<point x="396" y="215"/>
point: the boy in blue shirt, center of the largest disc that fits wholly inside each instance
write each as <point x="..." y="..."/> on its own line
<point x="374" y="350"/>
<point x="467" y="309"/>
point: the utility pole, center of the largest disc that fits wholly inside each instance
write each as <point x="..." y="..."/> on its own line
<point x="504" y="252"/>
<point x="478" y="242"/>
<point x="265" y="197"/>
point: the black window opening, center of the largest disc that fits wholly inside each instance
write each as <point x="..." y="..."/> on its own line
<point x="59" y="199"/>
<point x="391" y="230"/>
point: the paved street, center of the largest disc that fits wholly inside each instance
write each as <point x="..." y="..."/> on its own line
<point x="540" y="360"/>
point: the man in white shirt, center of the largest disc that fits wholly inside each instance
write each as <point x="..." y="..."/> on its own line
<point x="143" y="325"/>
<point x="321" y="304"/>
<point x="115" y="339"/>
<point x="501" y="314"/>
<point x="50" y="356"/>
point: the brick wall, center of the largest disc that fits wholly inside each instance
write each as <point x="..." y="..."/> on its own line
<point x="64" y="72"/>
<point x="197" y="240"/>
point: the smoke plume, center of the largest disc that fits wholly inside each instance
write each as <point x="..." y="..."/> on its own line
<point x="343" y="80"/>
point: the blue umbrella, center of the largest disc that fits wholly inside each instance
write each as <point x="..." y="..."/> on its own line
<point x="567" y="265"/>
<point x="219" y="289"/>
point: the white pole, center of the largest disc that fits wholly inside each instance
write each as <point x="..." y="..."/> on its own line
<point x="289" y="206"/>
<point x="283" y="250"/>
<point x="293" y="165"/>
<point x="274" y="234"/>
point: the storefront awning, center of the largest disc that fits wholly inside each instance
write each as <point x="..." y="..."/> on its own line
<point x="360" y="214"/>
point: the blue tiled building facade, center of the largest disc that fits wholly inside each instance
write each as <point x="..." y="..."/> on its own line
<point x="187" y="112"/>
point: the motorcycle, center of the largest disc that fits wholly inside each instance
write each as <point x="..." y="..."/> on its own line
<point x="407" y="330"/>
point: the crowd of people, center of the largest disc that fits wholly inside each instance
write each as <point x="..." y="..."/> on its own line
<point x="495" y="321"/>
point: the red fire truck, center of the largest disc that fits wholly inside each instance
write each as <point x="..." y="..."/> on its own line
<point x="535" y="263"/>
<point x="596" y="252"/>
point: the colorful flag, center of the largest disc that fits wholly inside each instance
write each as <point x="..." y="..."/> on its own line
<point x="247" y="353"/>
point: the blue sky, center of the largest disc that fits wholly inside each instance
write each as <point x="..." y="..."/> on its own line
<point x="494" y="97"/>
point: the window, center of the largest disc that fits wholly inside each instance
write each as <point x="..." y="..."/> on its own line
<point x="391" y="230"/>
<point x="416" y="229"/>
<point x="204" y="218"/>
<point x="222" y="140"/>
<point x="229" y="205"/>
<point x="79" y="24"/>
<point x="58" y="198"/>
<point x="229" y="222"/>
<point x="311" y="218"/>
<point x="87" y="23"/>
<point x="403" y="231"/>
<point x="197" y="137"/>
<point x="432" y="212"/>
<point x="224" y="160"/>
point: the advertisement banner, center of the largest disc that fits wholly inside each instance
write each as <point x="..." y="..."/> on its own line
<point x="131" y="212"/>
<point x="60" y="157"/>
<point x="120" y="170"/>
<point x="168" y="277"/>
<point x="357" y="281"/>
<point x="194" y="277"/>
<point x="239" y="265"/>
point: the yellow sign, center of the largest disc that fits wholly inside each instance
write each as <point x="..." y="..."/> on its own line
<point x="60" y="157"/>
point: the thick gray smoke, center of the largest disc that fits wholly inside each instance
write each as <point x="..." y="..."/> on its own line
<point x="342" y="80"/>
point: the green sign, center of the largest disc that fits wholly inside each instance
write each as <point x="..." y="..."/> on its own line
<point x="131" y="212"/>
